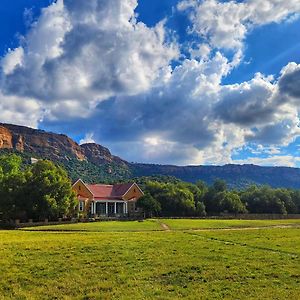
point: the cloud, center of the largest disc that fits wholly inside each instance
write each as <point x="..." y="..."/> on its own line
<point x="20" y="111"/>
<point x="12" y="60"/>
<point x="226" y="24"/>
<point x="289" y="81"/>
<point x="87" y="139"/>
<point x="90" y="68"/>
<point x="248" y="103"/>
<point x="191" y="118"/>
<point x="275" y="160"/>
<point x="89" y="52"/>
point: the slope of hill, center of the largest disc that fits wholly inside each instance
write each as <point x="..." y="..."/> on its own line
<point x="236" y="176"/>
<point x="95" y="163"/>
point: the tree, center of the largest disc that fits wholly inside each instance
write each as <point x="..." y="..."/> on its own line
<point x="285" y="196"/>
<point x="200" y="209"/>
<point x="232" y="203"/>
<point x="263" y="200"/>
<point x="48" y="191"/>
<point x="149" y="205"/>
<point x="220" y="185"/>
<point x="213" y="196"/>
<point x="12" y="181"/>
<point x="175" y="199"/>
<point x="295" y="195"/>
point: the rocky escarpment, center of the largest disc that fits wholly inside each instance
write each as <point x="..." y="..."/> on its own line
<point x="44" y="144"/>
<point x="56" y="147"/>
<point x="6" y="138"/>
<point x="98" y="154"/>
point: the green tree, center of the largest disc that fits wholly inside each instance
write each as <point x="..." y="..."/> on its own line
<point x="285" y="196"/>
<point x="295" y="195"/>
<point x="220" y="186"/>
<point x="48" y="191"/>
<point x="232" y="203"/>
<point x="200" y="209"/>
<point x="12" y="181"/>
<point x="175" y="200"/>
<point x="263" y="200"/>
<point x="212" y="198"/>
<point x="149" y="205"/>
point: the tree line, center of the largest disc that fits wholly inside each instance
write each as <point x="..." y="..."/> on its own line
<point x="37" y="192"/>
<point x="43" y="190"/>
<point x="178" y="198"/>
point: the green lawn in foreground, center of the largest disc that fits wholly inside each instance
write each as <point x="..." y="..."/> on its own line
<point x="103" y="226"/>
<point x="237" y="264"/>
<point x="174" y="224"/>
<point x="180" y="224"/>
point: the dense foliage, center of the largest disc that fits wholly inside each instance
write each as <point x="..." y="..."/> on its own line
<point x="178" y="198"/>
<point x="38" y="191"/>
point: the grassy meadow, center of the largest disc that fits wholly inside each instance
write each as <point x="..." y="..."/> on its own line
<point x="147" y="261"/>
<point x="105" y="226"/>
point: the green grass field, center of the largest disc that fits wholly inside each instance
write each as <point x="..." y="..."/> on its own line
<point x="103" y="226"/>
<point x="180" y="224"/>
<point x="140" y="261"/>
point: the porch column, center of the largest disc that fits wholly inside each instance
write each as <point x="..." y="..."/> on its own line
<point x="115" y="208"/>
<point x="95" y="204"/>
<point x="126" y="208"/>
<point x="106" y="208"/>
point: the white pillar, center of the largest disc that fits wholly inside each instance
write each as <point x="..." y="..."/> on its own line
<point x="126" y="208"/>
<point x="115" y="208"/>
<point x="106" y="208"/>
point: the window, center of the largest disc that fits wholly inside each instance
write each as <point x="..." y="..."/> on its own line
<point x="79" y="188"/>
<point x="81" y="205"/>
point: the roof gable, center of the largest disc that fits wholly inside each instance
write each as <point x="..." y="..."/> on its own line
<point x="105" y="191"/>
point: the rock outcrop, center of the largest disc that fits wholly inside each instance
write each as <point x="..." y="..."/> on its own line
<point x="6" y="138"/>
<point x="53" y="146"/>
<point x="98" y="154"/>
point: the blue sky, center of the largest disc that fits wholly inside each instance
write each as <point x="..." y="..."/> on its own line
<point x="180" y="82"/>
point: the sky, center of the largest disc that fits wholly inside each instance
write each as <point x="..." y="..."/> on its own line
<point x="184" y="82"/>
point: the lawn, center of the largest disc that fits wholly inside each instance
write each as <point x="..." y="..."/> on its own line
<point x="102" y="226"/>
<point x="206" y="264"/>
<point x="180" y="224"/>
<point x="156" y="224"/>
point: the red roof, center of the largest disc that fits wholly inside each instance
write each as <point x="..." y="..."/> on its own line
<point x="103" y="191"/>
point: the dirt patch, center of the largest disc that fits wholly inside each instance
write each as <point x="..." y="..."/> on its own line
<point x="164" y="226"/>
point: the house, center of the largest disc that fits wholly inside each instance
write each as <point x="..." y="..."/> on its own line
<point x="107" y="200"/>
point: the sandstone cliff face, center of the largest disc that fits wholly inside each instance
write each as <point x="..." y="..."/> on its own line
<point x="48" y="145"/>
<point x="53" y="146"/>
<point x="6" y="141"/>
<point x="98" y="154"/>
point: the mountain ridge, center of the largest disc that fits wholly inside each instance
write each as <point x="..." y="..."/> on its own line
<point x="95" y="162"/>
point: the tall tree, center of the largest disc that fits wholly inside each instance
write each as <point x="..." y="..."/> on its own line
<point x="149" y="205"/>
<point x="49" y="192"/>
<point x="12" y="181"/>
